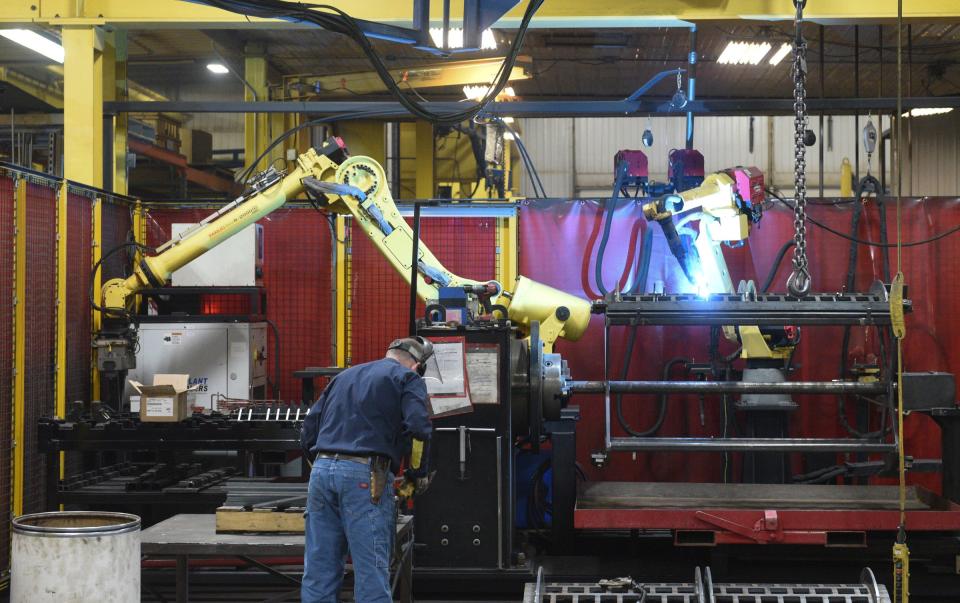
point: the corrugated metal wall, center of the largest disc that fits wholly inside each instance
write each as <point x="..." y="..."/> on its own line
<point x="574" y="156"/>
<point x="935" y="156"/>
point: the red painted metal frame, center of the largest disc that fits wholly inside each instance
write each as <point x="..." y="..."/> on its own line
<point x="768" y="526"/>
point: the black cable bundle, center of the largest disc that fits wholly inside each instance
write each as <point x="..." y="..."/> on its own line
<point x="333" y="19"/>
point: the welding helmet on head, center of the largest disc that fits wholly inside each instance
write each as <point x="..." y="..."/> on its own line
<point x="420" y="348"/>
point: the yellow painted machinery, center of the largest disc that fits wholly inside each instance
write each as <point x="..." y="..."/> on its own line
<point x="355" y="186"/>
<point x="724" y="205"/>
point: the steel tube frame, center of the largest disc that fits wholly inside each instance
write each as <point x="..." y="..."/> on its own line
<point x="730" y="387"/>
<point x="748" y="445"/>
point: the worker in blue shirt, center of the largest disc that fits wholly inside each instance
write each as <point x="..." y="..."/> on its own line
<point x="367" y="419"/>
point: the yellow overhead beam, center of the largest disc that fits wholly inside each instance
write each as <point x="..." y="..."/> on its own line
<point x="36" y="88"/>
<point x="555" y="13"/>
<point x="453" y="73"/>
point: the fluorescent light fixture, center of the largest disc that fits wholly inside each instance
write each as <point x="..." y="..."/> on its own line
<point x="507" y="119"/>
<point x="477" y="92"/>
<point x="35" y="42"/>
<point x="925" y="111"/>
<point x="218" y="68"/>
<point x="455" y="38"/>
<point x="785" y="49"/>
<point x="743" y="53"/>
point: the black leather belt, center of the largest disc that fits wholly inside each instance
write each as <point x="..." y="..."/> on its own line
<point x="339" y="456"/>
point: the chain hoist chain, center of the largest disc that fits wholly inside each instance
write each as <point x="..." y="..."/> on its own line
<point x="799" y="282"/>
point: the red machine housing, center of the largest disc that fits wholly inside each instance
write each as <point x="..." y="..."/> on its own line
<point x="749" y="183"/>
<point x="637" y="171"/>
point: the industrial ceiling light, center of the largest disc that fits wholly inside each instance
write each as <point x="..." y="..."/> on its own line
<point x="785" y="49"/>
<point x="35" y="42"/>
<point x="218" y="68"/>
<point x="507" y="119"/>
<point x="744" y="53"/>
<point x="478" y="92"/>
<point x="455" y="38"/>
<point x="924" y="111"/>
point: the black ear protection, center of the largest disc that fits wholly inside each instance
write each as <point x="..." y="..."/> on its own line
<point x="420" y="348"/>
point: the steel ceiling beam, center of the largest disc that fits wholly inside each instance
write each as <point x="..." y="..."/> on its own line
<point x="541" y="108"/>
<point x="556" y="13"/>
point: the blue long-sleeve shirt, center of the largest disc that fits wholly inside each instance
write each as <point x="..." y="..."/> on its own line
<point x="371" y="408"/>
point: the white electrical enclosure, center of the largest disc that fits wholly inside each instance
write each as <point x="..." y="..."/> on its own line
<point x="223" y="359"/>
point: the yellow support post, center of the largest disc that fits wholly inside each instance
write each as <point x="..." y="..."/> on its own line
<point x="83" y="115"/>
<point x="19" y="341"/>
<point x="62" y="226"/>
<point x="254" y="124"/>
<point x="60" y="389"/>
<point x="425" y="161"/>
<point x="340" y="245"/>
<point x="139" y="234"/>
<point x="507" y="251"/>
<point x="96" y="251"/>
<point x="115" y="88"/>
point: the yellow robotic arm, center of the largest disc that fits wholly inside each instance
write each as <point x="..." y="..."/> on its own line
<point x="722" y="207"/>
<point x="722" y="218"/>
<point x="355" y="186"/>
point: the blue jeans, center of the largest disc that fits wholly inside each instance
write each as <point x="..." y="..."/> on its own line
<point x="341" y="516"/>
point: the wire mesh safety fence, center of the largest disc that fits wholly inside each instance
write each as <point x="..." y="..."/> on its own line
<point x="34" y="337"/>
<point x="40" y="336"/>
<point x="379" y="301"/>
<point x="6" y="358"/>
<point x="79" y="252"/>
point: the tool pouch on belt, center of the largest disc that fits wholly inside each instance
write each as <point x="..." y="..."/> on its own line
<point x="379" y="466"/>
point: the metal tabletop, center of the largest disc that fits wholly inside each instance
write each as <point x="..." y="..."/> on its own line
<point x="186" y="535"/>
<point x="194" y="534"/>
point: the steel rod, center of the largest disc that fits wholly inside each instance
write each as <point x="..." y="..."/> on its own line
<point x="536" y="108"/>
<point x="748" y="445"/>
<point x="729" y="387"/>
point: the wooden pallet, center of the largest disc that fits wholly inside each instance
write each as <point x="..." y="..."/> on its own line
<point x="264" y="521"/>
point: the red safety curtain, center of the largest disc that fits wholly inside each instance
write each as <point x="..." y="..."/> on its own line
<point x="558" y="246"/>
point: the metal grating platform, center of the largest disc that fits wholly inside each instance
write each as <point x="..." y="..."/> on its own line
<point x="765" y="310"/>
<point x="722" y="593"/>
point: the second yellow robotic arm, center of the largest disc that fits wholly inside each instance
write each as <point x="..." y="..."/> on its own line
<point x="355" y="186"/>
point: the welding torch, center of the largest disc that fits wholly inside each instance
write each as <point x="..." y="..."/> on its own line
<point x="662" y="211"/>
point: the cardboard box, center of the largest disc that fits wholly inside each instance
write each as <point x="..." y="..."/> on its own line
<point x="168" y="400"/>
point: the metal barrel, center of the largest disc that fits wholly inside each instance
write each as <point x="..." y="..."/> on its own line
<point x="75" y="556"/>
<point x="728" y="387"/>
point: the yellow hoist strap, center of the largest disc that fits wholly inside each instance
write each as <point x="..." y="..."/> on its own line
<point x="901" y="554"/>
